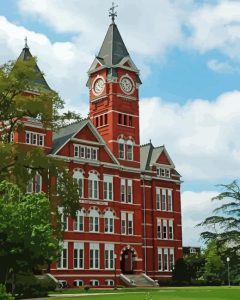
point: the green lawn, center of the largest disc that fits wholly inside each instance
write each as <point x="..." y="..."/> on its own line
<point x="191" y="293"/>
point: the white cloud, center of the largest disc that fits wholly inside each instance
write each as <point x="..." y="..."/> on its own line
<point x="201" y="136"/>
<point x="216" y="27"/>
<point x="195" y="208"/>
<point x="221" y="67"/>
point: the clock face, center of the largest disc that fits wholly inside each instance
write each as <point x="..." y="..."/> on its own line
<point x="126" y="85"/>
<point x="98" y="86"/>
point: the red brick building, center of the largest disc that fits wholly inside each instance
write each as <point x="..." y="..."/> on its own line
<point x="129" y="222"/>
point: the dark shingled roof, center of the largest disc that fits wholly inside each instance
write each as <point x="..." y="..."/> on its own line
<point x="149" y="155"/>
<point x="26" y="55"/>
<point x="113" y="49"/>
<point x="65" y="133"/>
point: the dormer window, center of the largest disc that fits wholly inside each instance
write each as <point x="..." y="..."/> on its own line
<point x="163" y="172"/>
<point x="85" y="152"/>
<point x="34" y="138"/>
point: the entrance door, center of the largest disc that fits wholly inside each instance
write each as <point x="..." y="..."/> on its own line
<point x="127" y="262"/>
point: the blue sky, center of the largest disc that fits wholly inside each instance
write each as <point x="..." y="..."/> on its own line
<point x="189" y="58"/>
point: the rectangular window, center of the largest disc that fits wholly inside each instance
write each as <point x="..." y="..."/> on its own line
<point x="93" y="224"/>
<point x="88" y="153"/>
<point x="159" y="230"/>
<point x="76" y="151"/>
<point x="38" y="183"/>
<point x="130" y="223"/>
<point x="93" y="189"/>
<point x="41" y="140"/>
<point x="108" y="187"/>
<point x="121" y="150"/>
<point x="164" y="229"/>
<point x="125" y="119"/>
<point x="34" y="138"/>
<point x="169" y="196"/>
<point x="165" y="259"/>
<point x="119" y="118"/>
<point x="130" y="120"/>
<point x="129" y="152"/>
<point x="28" y="138"/>
<point x="160" y="259"/>
<point x="94" y="154"/>
<point x="171" y="258"/>
<point x="167" y="173"/>
<point x="123" y="190"/>
<point x="123" y="222"/>
<point x="129" y="191"/>
<point x="78" y="258"/>
<point x="164" y="204"/>
<point x="96" y="121"/>
<point x="82" y="152"/>
<point x="78" y="223"/>
<point x="62" y="260"/>
<point x="101" y="120"/>
<point x="105" y="119"/>
<point x="94" y="256"/>
<point x="29" y="189"/>
<point x="109" y="256"/>
<point x="158" y="199"/>
<point x="162" y="172"/>
<point x="170" y="229"/>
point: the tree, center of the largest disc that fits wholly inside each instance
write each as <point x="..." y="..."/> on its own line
<point x="224" y="226"/>
<point x="21" y="96"/>
<point x="27" y="237"/>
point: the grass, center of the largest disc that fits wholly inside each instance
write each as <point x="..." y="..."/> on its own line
<point x="186" y="293"/>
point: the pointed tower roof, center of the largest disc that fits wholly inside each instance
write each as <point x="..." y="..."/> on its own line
<point x="113" y="49"/>
<point x="26" y="55"/>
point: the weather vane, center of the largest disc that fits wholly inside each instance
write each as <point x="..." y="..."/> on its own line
<point x="112" y="12"/>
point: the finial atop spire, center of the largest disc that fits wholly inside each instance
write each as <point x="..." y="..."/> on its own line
<point x="112" y="12"/>
<point x="26" y="45"/>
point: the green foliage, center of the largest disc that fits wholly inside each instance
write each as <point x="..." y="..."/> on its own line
<point x="26" y="234"/>
<point x="224" y="225"/>
<point x="3" y="293"/>
<point x="21" y="95"/>
<point x="29" y="286"/>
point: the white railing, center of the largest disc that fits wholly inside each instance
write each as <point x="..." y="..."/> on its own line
<point x="127" y="280"/>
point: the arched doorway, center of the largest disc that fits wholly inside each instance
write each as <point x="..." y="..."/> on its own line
<point x="128" y="261"/>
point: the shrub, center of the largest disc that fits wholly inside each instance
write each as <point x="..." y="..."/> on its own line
<point x="86" y="288"/>
<point x="3" y="293"/>
<point x="29" y="286"/>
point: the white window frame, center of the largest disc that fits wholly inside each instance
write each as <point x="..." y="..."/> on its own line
<point x="94" y="262"/>
<point x="129" y="146"/>
<point x="164" y="200"/>
<point x="109" y="257"/>
<point x="159" y="229"/>
<point x="78" y="176"/>
<point x="78" y="224"/>
<point x="158" y="198"/>
<point x="78" y="255"/>
<point x="93" y="186"/>
<point x="169" y="200"/>
<point x="130" y="224"/>
<point x="123" y="190"/>
<point x="160" y="259"/>
<point x="121" y="149"/>
<point x="78" y="282"/>
<point x="62" y="263"/>
<point x="171" y="259"/>
<point x="165" y="260"/>
<point x="108" y="187"/>
<point x="129" y="191"/>
<point x="93" y="221"/>
<point x="109" y="222"/>
<point x="170" y="230"/>
<point x="123" y="223"/>
<point x="165" y="229"/>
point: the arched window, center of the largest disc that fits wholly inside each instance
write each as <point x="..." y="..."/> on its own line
<point x="93" y="186"/>
<point x="78" y="176"/>
<point x="129" y="150"/>
<point x="78" y="224"/>
<point x="121" y="149"/>
<point x="94" y="221"/>
<point x="109" y="221"/>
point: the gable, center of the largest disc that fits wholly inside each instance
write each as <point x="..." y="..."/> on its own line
<point x="163" y="159"/>
<point x="86" y="134"/>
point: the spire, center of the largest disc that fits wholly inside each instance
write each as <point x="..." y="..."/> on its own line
<point x="113" y="49"/>
<point x="26" y="55"/>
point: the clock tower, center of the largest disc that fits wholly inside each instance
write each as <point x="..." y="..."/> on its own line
<point x="114" y="97"/>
